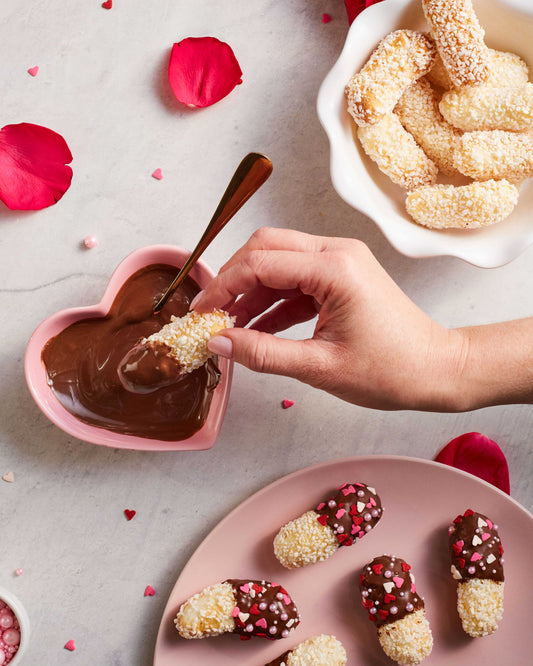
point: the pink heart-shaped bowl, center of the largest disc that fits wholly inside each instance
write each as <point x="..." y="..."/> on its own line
<point x="51" y="407"/>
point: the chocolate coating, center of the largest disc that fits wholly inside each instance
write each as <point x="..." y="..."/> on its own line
<point x="148" y="367"/>
<point x="352" y="512"/>
<point x="388" y="590"/>
<point x="263" y="609"/>
<point x="281" y="660"/>
<point x="475" y="547"/>
<point x="82" y="361"/>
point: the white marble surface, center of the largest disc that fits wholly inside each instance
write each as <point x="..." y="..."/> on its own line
<point x="102" y="85"/>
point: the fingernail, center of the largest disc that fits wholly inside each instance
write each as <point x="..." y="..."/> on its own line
<point x="195" y="300"/>
<point x="221" y="346"/>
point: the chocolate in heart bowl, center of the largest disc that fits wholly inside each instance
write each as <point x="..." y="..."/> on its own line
<point x="72" y="359"/>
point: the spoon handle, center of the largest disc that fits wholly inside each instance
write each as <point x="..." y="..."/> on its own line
<point x="251" y="173"/>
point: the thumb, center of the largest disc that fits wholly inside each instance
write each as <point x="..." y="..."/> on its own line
<point x="264" y="352"/>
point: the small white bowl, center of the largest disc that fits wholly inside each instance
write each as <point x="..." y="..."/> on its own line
<point x="358" y="180"/>
<point x="23" y="620"/>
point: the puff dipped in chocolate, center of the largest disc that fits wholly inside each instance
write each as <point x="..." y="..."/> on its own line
<point x="389" y="594"/>
<point x="345" y="516"/>
<point x="477" y="564"/>
<point x="323" y="650"/>
<point x="239" y="606"/>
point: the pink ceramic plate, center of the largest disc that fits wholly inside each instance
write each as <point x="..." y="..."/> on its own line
<point x="421" y="498"/>
<point x="52" y="408"/>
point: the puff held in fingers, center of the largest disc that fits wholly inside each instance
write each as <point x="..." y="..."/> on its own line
<point x="245" y="607"/>
<point x="472" y="206"/>
<point x="400" y="58"/>
<point x="320" y="650"/>
<point x="477" y="564"/>
<point x="341" y="519"/>
<point x="389" y="594"/>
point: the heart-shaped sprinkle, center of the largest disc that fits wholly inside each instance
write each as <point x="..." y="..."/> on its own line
<point x="457" y="548"/>
<point x="261" y="623"/>
<point x="485" y="536"/>
<point x="340" y="513"/>
<point x="347" y="491"/>
<point x="149" y="591"/>
<point x="245" y="588"/>
<point x="157" y="174"/>
<point x="468" y="513"/>
<point x="243" y="617"/>
<point x="367" y="603"/>
<point x="383" y="613"/>
<point x="388" y="587"/>
<point x="413" y="588"/>
<point x="129" y="513"/>
<point x="481" y="523"/>
<point x="376" y="568"/>
<point x="388" y="598"/>
<point x="323" y="519"/>
<point x="259" y="588"/>
<point x="33" y="71"/>
<point x="476" y="541"/>
<point x="321" y="506"/>
<point x="361" y="506"/>
<point x="455" y="572"/>
<point x="70" y="645"/>
<point x="235" y="612"/>
<point x="254" y="610"/>
<point x="491" y="558"/>
<point x="475" y="557"/>
<point x="461" y="562"/>
<point x="287" y="403"/>
<point x="326" y="18"/>
<point x="489" y="524"/>
<point x="107" y="4"/>
<point x="405" y="567"/>
<point x="9" y="477"/>
<point x="372" y="490"/>
<point x="398" y="581"/>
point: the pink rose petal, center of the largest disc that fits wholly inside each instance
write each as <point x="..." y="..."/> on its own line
<point x="33" y="71"/>
<point x="70" y="645"/>
<point x="202" y="70"/>
<point x="33" y="171"/>
<point x="477" y="454"/>
<point x="355" y="7"/>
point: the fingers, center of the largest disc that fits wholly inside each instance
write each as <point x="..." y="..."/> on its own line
<point x="262" y="352"/>
<point x="312" y="274"/>
<point x="287" y="314"/>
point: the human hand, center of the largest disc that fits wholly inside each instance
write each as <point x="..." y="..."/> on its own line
<point x="371" y="346"/>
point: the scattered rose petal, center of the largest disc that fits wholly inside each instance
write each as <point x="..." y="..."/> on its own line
<point x="326" y="18"/>
<point x="287" y="403"/>
<point x="90" y="242"/>
<point x="477" y="454"/>
<point x="33" y="71"/>
<point x="158" y="174"/>
<point x="19" y="572"/>
<point x="202" y="70"/>
<point x="149" y="591"/>
<point x="107" y="4"/>
<point x="129" y="513"/>
<point x="33" y="171"/>
<point x="355" y="7"/>
<point x="9" y="477"/>
<point x="70" y="645"/>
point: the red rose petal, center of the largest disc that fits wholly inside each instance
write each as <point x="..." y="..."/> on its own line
<point x="326" y="18"/>
<point x="202" y="70"/>
<point x="355" y="7"/>
<point x="33" y="171"/>
<point x="129" y="513"/>
<point x="477" y="454"/>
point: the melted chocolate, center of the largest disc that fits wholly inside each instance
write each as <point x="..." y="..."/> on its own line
<point x="82" y="362"/>
<point x="148" y="367"/>
<point x="263" y="609"/>
<point x="475" y="548"/>
<point x="351" y="513"/>
<point x="388" y="590"/>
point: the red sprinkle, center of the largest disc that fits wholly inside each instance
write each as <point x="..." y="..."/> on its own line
<point x="129" y="513"/>
<point x="383" y="614"/>
<point x="70" y="645"/>
<point x="107" y="4"/>
<point x="461" y="562"/>
<point x="326" y="18"/>
<point x="388" y="598"/>
<point x="361" y="579"/>
<point x="406" y="566"/>
<point x="149" y="591"/>
<point x="376" y="568"/>
<point x="323" y="519"/>
<point x="254" y="610"/>
<point x="287" y="403"/>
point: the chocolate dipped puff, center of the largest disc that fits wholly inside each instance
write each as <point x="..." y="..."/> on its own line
<point x="318" y="650"/>
<point x="338" y="521"/>
<point x="245" y="607"/>
<point x="388" y="592"/>
<point x="477" y="565"/>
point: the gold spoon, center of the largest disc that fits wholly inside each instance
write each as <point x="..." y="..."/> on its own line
<point x="251" y="173"/>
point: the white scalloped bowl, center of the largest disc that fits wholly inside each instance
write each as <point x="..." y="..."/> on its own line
<point x="358" y="180"/>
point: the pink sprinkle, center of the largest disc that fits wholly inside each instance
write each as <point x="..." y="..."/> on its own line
<point x="326" y="18"/>
<point x="489" y="523"/>
<point x="340" y="513"/>
<point x="70" y="645"/>
<point x="321" y="506"/>
<point x="33" y="70"/>
<point x="372" y="501"/>
<point x="235" y="612"/>
<point x="245" y="588"/>
<point x="475" y="557"/>
<point x="413" y="588"/>
<point x="9" y="477"/>
<point x="90" y="242"/>
<point x="398" y="581"/>
<point x="261" y="623"/>
<point x="19" y="572"/>
<point x="347" y="491"/>
<point x="485" y="536"/>
<point x="149" y="591"/>
<point x="287" y="403"/>
<point x="286" y="600"/>
<point x="158" y="174"/>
